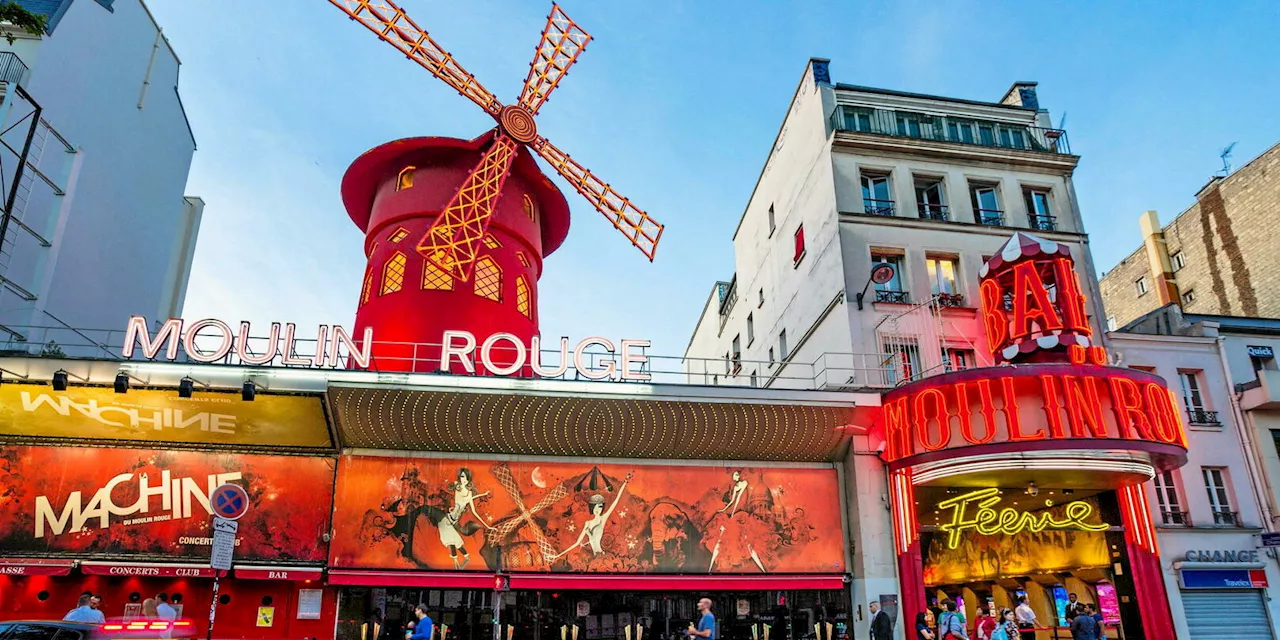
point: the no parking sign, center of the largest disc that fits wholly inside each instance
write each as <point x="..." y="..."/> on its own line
<point x="229" y="501"/>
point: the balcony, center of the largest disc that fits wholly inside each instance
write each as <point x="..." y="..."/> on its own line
<point x="933" y="212"/>
<point x="878" y="207"/>
<point x="990" y="217"/>
<point x="1043" y="223"/>
<point x="12" y="68"/>
<point x="1224" y="518"/>
<point x="892" y="297"/>
<point x="903" y="124"/>
<point x="1261" y="394"/>
<point x="1175" y="518"/>
<point x="1199" y="417"/>
<point x="948" y="299"/>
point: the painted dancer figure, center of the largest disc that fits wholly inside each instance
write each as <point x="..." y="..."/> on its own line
<point x="735" y="495"/>
<point x="593" y="528"/>
<point x="464" y="498"/>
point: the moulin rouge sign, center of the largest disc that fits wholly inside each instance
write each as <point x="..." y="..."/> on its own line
<point x="1035" y="317"/>
<point x="501" y="354"/>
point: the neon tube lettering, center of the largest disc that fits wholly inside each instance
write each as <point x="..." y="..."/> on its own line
<point x="1008" y="521"/>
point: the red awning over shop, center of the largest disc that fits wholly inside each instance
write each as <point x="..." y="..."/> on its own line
<point x="35" y="567"/>
<point x="146" y="569"/>
<point x="412" y="579"/>
<point x="677" y="583"/>
<point x="277" y="573"/>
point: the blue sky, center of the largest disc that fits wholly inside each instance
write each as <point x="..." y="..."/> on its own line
<point x="676" y="104"/>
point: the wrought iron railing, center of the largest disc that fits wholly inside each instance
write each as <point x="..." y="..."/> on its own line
<point x="1224" y="518"/>
<point x="990" y="217"/>
<point x="1175" y="518"/>
<point x="949" y="299"/>
<point x="12" y="68"/>
<point x="985" y="133"/>
<point x="878" y="207"/>
<point x="891" y="296"/>
<point x="1043" y="223"/>
<point x="933" y="211"/>
<point x="1202" y="417"/>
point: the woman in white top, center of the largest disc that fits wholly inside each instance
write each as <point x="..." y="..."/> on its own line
<point x="464" y="498"/>
<point x="593" y="528"/>
<point x="735" y="494"/>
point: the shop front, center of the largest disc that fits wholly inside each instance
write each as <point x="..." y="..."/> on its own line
<point x="1024" y="481"/>
<point x="1217" y="573"/>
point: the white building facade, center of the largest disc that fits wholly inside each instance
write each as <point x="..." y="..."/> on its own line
<point x="100" y="228"/>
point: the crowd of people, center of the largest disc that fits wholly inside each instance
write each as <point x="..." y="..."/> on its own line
<point x="945" y="621"/>
<point x="89" y="609"/>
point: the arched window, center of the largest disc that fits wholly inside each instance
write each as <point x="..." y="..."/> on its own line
<point x="488" y="278"/>
<point x="405" y="179"/>
<point x="435" y="278"/>
<point x="522" y="296"/>
<point x="530" y="209"/>
<point x="399" y="234"/>
<point x="368" y="284"/>
<point x="393" y="274"/>
<point x="524" y="261"/>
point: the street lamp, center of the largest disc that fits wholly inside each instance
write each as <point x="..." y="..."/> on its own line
<point x="881" y="272"/>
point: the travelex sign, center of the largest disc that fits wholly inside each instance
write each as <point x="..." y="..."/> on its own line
<point x="975" y="511"/>
<point x="500" y="354"/>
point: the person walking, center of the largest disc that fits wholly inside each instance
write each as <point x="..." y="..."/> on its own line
<point x="950" y="624"/>
<point x="1084" y="627"/>
<point x="1095" y="611"/>
<point x="424" y="626"/>
<point x="149" y="609"/>
<point x="923" y="630"/>
<point x="164" y="610"/>
<point x="84" y="611"/>
<point x="985" y="627"/>
<point x="706" y="627"/>
<point x="881" y="625"/>
<point x="1027" y="622"/>
<point x="1006" y="627"/>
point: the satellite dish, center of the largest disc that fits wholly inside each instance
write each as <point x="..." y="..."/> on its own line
<point x="882" y="272"/>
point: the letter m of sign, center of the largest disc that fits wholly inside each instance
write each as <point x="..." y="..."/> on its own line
<point x="897" y="429"/>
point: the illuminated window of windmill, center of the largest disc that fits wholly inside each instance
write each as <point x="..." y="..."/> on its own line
<point x="368" y="284"/>
<point x="405" y="179"/>
<point x="435" y="278"/>
<point x="524" y="261"/>
<point x="530" y="209"/>
<point x="522" y="296"/>
<point x="488" y="279"/>
<point x="399" y="234"/>
<point x="491" y="242"/>
<point x="393" y="274"/>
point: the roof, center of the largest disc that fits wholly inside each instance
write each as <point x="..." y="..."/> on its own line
<point x="926" y="96"/>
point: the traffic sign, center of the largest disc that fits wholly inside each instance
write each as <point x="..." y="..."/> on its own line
<point x="229" y="501"/>
<point x="1271" y="539"/>
<point x="224" y="543"/>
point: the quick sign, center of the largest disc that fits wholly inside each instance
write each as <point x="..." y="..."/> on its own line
<point x="1261" y="352"/>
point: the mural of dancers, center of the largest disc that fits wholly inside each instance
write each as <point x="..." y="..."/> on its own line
<point x="734" y="497"/>
<point x="464" y="498"/>
<point x="593" y="528"/>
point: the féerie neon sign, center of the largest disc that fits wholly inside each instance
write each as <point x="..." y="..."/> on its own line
<point x="1009" y="521"/>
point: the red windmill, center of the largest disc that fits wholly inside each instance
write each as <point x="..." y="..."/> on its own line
<point x="478" y="215"/>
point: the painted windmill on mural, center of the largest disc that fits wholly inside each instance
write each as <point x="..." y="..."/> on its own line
<point x="456" y="230"/>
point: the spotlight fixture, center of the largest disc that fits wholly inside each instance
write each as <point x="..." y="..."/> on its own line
<point x="185" y="387"/>
<point x="60" y="380"/>
<point x="249" y="391"/>
<point x="1033" y="490"/>
<point x="122" y="382"/>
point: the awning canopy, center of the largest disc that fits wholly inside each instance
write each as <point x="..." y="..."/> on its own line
<point x="35" y="567"/>
<point x="676" y="583"/>
<point x="623" y="420"/>
<point x="439" y="580"/>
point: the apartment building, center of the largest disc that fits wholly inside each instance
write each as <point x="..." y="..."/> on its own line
<point x="1215" y="258"/>
<point x="925" y="187"/>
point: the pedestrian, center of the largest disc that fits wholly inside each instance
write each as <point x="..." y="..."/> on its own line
<point x="1096" y="612"/>
<point x="1084" y="627"/>
<point x="950" y="624"/>
<point x="408" y="630"/>
<point x="1006" y="627"/>
<point x="164" y="610"/>
<point x="1074" y="607"/>
<point x="423" y="629"/>
<point x="881" y="625"/>
<point x="923" y="632"/>
<point x="149" y="609"/>
<point x="985" y="627"/>
<point x="95" y="601"/>
<point x="1027" y="622"/>
<point x="706" y="627"/>
<point x="84" y="611"/>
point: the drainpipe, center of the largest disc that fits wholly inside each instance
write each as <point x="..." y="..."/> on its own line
<point x="146" y="80"/>
<point x="1245" y="431"/>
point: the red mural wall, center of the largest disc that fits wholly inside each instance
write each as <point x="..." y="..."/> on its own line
<point x="415" y="513"/>
<point x="134" y="502"/>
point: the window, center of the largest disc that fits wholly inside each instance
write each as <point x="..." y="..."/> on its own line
<point x="524" y="260"/>
<point x="799" y="245"/>
<point x="901" y="362"/>
<point x="772" y="360"/>
<point x="1141" y="285"/>
<point x="957" y="359"/>
<point x="1112" y="323"/>
<point x="434" y="278"/>
<point x="1188" y="296"/>
<point x="876" y="198"/>
<point x="488" y="279"/>
<point x="751" y="329"/>
<point x="987" y="134"/>
<point x="491" y="242"/>
<point x="772" y="225"/>
<point x="1191" y="397"/>
<point x="1215" y="483"/>
<point x="753" y="377"/>
<point x="960" y="131"/>
<point x="760" y="300"/>
<point x="368" y="284"/>
<point x="1179" y="260"/>
<point x="986" y="205"/>
<point x="393" y="274"/>
<point x="530" y="207"/>
<point x="914" y="125"/>
<point x="942" y="275"/>
<point x="728" y="366"/>
<point x="522" y="297"/>
<point x="929" y="201"/>
<point x="405" y="179"/>
<point x="892" y="290"/>
<point x="858" y="120"/>
<point x="399" y="234"/>
<point x="1039" y="214"/>
<point x="1171" y="512"/>
<point x="736" y="354"/>
<point x="782" y="344"/>
<point x="1013" y="138"/>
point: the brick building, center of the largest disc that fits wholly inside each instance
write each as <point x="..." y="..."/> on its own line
<point x="1218" y="257"/>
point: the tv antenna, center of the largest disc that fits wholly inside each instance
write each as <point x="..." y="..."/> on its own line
<point x="1062" y="122"/>
<point x="1226" y="159"/>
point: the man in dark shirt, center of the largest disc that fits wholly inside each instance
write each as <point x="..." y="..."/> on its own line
<point x="1084" y="627"/>
<point x="881" y="625"/>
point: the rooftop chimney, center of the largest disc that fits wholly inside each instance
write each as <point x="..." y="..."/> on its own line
<point x="1022" y="94"/>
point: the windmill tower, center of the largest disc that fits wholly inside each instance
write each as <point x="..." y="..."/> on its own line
<point x="455" y="230"/>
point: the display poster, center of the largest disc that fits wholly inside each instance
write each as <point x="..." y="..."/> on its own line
<point x="1108" y="603"/>
<point x="309" y="601"/>
<point x="160" y="416"/>
<point x="420" y="513"/>
<point x="138" y="501"/>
